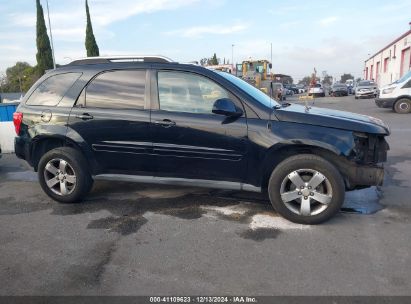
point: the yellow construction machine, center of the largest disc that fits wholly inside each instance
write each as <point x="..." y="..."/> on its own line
<point x="256" y="72"/>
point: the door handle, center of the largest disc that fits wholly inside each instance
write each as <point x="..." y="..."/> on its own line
<point x="166" y="123"/>
<point x="84" y="116"/>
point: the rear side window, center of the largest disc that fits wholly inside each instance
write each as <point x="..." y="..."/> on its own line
<point x="52" y="90"/>
<point x="117" y="90"/>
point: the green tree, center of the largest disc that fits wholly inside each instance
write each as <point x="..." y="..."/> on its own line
<point x="204" y="61"/>
<point x="305" y="81"/>
<point x="91" y="44"/>
<point x="214" y="60"/>
<point x="44" y="55"/>
<point x="19" y="78"/>
<point x="345" y="77"/>
<point x="328" y="80"/>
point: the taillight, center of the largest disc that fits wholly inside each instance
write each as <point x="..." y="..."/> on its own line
<point x="17" y="120"/>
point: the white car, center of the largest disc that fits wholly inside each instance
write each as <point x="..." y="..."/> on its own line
<point x="396" y="95"/>
<point x="366" y="88"/>
<point x="316" y="90"/>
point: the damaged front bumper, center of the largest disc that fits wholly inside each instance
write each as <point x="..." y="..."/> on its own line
<point x="362" y="176"/>
<point x="385" y="102"/>
<point x="366" y="167"/>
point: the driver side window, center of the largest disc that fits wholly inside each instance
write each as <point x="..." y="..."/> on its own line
<point x="187" y="92"/>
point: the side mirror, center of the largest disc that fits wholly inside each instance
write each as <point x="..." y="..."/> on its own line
<point x="270" y="65"/>
<point x="225" y="106"/>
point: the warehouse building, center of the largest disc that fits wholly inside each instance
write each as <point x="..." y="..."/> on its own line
<point x="390" y="63"/>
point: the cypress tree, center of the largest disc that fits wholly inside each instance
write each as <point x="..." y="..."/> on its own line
<point x="214" y="59"/>
<point x="44" y="56"/>
<point x="91" y="44"/>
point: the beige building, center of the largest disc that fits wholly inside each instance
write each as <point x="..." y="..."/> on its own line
<point x="391" y="62"/>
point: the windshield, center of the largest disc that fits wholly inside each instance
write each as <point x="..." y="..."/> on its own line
<point x="403" y="78"/>
<point x="365" y="83"/>
<point x="250" y="90"/>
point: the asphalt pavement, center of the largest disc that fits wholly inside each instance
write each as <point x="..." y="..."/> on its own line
<point x="135" y="239"/>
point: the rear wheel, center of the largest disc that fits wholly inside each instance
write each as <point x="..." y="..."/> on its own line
<point x="64" y="175"/>
<point x="402" y="106"/>
<point x="306" y="189"/>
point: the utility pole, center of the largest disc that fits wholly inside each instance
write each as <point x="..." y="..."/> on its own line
<point x="232" y="55"/>
<point x="51" y="35"/>
<point x="271" y="54"/>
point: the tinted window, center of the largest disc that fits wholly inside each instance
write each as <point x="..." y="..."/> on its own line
<point x="117" y="90"/>
<point x="186" y="92"/>
<point x="52" y="90"/>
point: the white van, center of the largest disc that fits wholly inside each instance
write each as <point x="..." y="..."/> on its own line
<point x="396" y="95"/>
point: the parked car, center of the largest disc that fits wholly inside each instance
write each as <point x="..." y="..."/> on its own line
<point x="292" y="88"/>
<point x="396" y="95"/>
<point x="157" y="121"/>
<point x="338" y="89"/>
<point x="366" y="88"/>
<point x="316" y="90"/>
<point x="289" y="91"/>
<point x="301" y="88"/>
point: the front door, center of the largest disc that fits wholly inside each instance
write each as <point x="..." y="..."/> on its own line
<point x="189" y="141"/>
<point x="113" y="120"/>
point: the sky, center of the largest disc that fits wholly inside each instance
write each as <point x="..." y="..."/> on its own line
<point x="332" y="36"/>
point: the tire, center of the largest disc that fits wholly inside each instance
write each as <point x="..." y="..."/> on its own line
<point x="356" y="97"/>
<point x="68" y="162"/>
<point x="402" y="106"/>
<point x="330" y="190"/>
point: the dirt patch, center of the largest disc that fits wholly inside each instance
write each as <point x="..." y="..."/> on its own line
<point x="187" y="213"/>
<point x="260" y="234"/>
<point x="124" y="225"/>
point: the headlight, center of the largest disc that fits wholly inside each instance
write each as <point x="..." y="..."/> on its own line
<point x="388" y="90"/>
<point x="360" y="134"/>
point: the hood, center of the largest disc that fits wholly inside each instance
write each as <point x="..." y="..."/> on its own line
<point x="332" y="119"/>
<point x="387" y="86"/>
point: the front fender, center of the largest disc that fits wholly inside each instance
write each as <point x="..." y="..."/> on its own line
<point x="338" y="141"/>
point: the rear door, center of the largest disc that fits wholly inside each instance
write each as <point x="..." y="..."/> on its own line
<point x="113" y="119"/>
<point x="189" y="141"/>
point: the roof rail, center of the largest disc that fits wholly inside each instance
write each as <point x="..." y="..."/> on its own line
<point x="131" y="58"/>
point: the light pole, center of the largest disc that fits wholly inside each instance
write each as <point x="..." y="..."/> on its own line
<point x="232" y="55"/>
<point x="51" y="35"/>
<point x="271" y="54"/>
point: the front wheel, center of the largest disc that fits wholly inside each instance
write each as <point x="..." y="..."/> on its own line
<point x="64" y="175"/>
<point x="402" y="106"/>
<point x="306" y="189"/>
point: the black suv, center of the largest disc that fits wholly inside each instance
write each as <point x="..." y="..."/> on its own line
<point x="149" y="119"/>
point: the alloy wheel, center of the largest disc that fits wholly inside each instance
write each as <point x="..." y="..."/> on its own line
<point x="60" y="177"/>
<point x="306" y="192"/>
